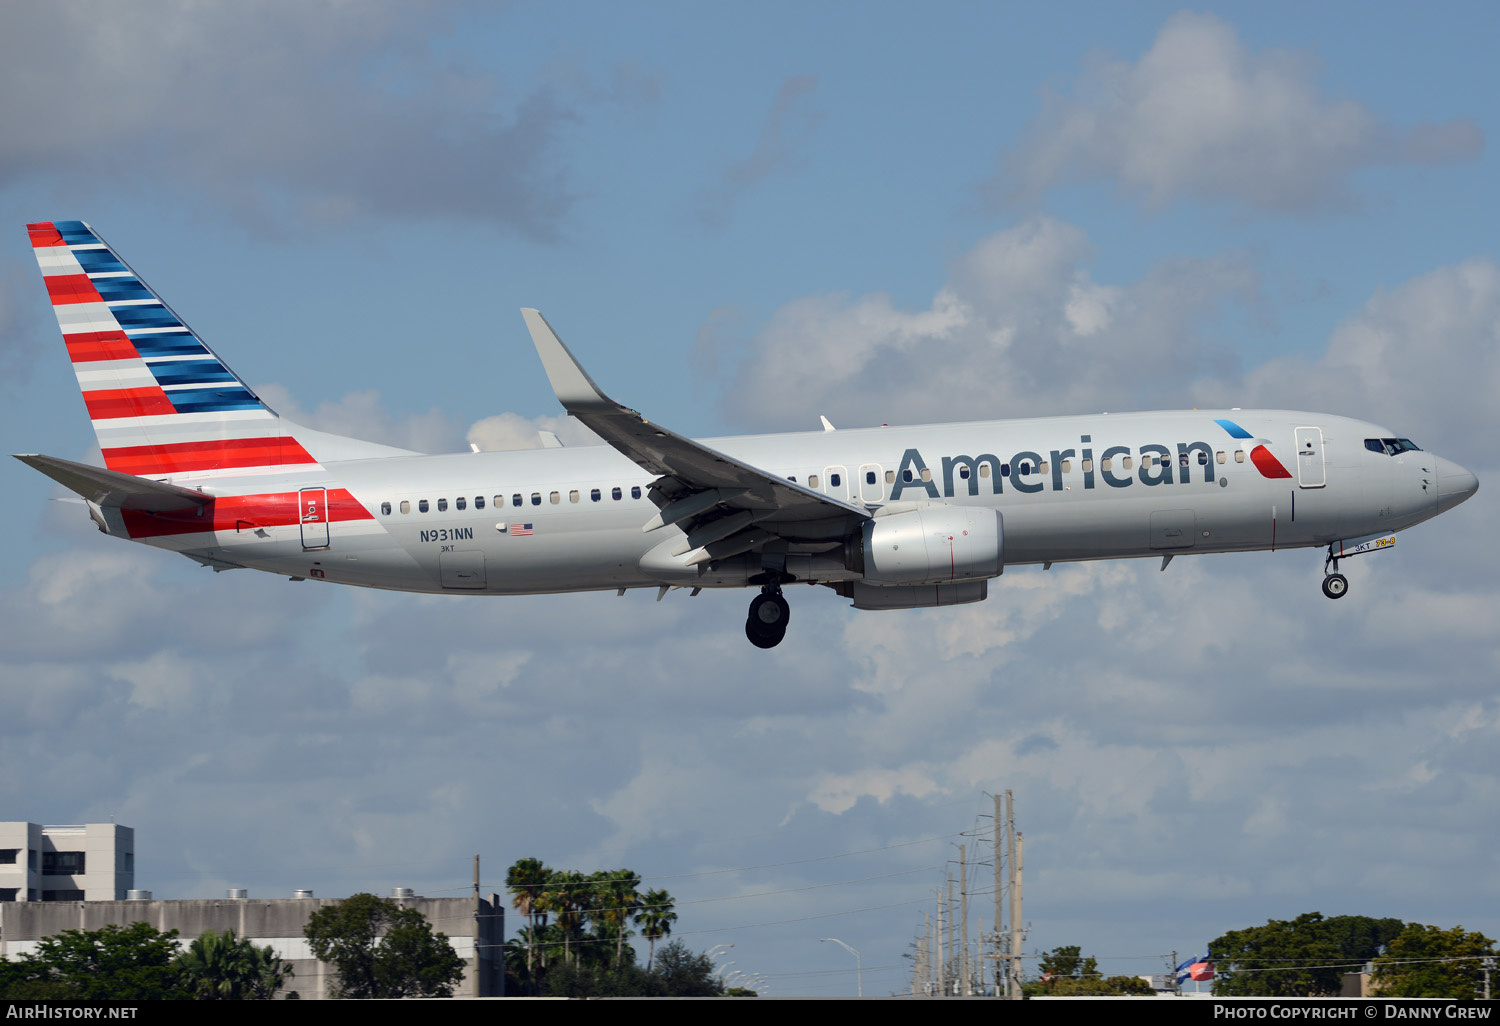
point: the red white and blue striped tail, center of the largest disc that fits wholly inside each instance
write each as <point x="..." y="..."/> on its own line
<point x="161" y="401"/>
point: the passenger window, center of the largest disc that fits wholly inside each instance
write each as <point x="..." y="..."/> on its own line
<point x="869" y="477"/>
<point x="963" y="471"/>
<point x="615" y="493"/>
<point x="385" y="509"/>
<point x="1024" y="467"/>
<point x="405" y="505"/>
<point x="812" y="480"/>
<point x="421" y="505"/>
<point x="442" y="505"/>
<point x="555" y="498"/>
<point x="1127" y="462"/>
<point x="573" y="495"/>
<point x="1239" y="455"/>
<point x="1182" y="459"/>
<point x="1219" y="456"/>
<point x="1042" y="467"/>
<point x="1108" y="463"/>
<point x="479" y="502"/>
<point x="1005" y="470"/>
<point x="595" y="495"/>
<point x="890" y="477"/>
<point x="536" y="498"/>
<point x="459" y="503"/>
<point x="834" y="480"/>
<point x="926" y="474"/>
<point x="906" y="476"/>
<point x="635" y="491"/>
<point x="984" y="470"/>
<point x="1202" y="458"/>
<point x="1147" y="460"/>
<point x="1067" y="466"/>
<point x="515" y="500"/>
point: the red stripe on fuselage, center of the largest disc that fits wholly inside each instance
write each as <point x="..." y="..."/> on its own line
<point x="214" y="455"/>
<point x="243" y="513"/>
<point x="1268" y="465"/>
<point x="43" y="233"/>
<point x="71" y="288"/>
<point x="87" y="346"/>
<point x="109" y="403"/>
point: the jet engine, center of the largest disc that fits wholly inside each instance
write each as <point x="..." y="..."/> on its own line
<point x="931" y="545"/>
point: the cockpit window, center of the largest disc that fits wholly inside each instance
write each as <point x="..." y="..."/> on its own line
<point x="1391" y="446"/>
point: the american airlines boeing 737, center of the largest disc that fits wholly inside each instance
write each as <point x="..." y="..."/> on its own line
<point x="889" y="517"/>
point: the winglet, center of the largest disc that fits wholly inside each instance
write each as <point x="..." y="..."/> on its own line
<point x="574" y="388"/>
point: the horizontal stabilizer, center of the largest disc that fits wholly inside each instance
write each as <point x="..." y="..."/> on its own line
<point x="112" y="488"/>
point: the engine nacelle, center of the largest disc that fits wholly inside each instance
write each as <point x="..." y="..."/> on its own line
<point x="932" y="545"/>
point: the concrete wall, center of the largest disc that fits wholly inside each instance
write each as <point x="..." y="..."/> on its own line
<point x="275" y="922"/>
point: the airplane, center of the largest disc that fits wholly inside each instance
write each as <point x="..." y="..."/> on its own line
<point x="889" y="517"/>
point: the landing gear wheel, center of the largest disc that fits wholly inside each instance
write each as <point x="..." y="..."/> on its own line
<point x="766" y="624"/>
<point x="1335" y="585"/>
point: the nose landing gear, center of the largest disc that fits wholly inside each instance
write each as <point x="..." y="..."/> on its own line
<point x="1335" y="585"/>
<point x="769" y="612"/>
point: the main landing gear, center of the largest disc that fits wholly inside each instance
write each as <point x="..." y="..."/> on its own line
<point x="1335" y="585"/>
<point x="769" y="612"/>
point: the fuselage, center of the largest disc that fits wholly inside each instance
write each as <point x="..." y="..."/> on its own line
<point x="1104" y="486"/>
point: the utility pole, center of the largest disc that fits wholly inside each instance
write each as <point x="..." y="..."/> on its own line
<point x="952" y="958"/>
<point x="1012" y="845"/>
<point x="477" y="981"/>
<point x="999" y="901"/>
<point x="940" y="965"/>
<point x="963" y="904"/>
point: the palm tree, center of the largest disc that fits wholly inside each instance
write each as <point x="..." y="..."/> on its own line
<point x="618" y="897"/>
<point x="655" y="918"/>
<point x="566" y="896"/>
<point x="220" y="967"/>
<point x="526" y="880"/>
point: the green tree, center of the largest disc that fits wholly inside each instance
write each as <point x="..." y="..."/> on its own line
<point x="618" y="897"/>
<point x="1067" y="963"/>
<point x="123" y="963"/>
<point x="1426" y="962"/>
<point x="381" y="950"/>
<point x="685" y="973"/>
<point x="1306" y="956"/>
<point x="655" y="918"/>
<point x="527" y="880"/>
<point x="222" y="967"/>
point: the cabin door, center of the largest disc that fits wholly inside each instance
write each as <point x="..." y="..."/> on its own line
<point x="1311" y="472"/>
<point x="312" y="507"/>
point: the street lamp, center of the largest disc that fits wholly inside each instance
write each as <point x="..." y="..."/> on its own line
<point x="859" y="973"/>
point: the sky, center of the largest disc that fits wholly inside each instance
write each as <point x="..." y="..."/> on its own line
<point x="740" y="217"/>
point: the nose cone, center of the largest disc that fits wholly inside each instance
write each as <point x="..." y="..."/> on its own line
<point x="1455" y="484"/>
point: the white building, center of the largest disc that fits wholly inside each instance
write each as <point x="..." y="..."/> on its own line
<point x="88" y="862"/>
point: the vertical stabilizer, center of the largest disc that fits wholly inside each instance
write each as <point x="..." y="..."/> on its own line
<point x="161" y="401"/>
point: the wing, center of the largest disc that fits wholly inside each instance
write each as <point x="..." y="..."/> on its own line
<point x="724" y="505"/>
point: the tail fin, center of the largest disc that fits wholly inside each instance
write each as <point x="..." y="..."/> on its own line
<point x="160" y="399"/>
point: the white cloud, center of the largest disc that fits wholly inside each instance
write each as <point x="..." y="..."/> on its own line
<point x="1020" y="329"/>
<point x="1422" y="357"/>
<point x="360" y="415"/>
<point x="513" y="431"/>
<point x="1201" y="115"/>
